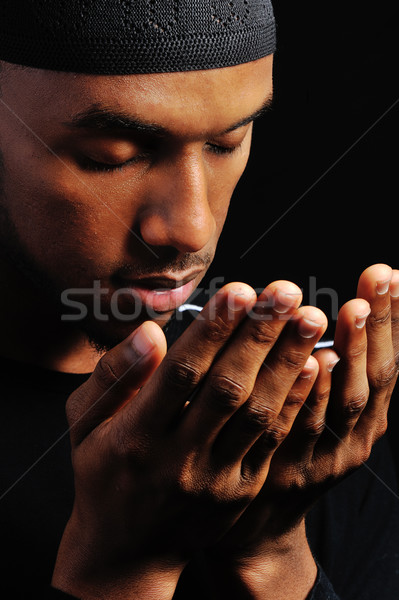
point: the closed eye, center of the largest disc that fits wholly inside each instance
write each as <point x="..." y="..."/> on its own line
<point x="88" y="164"/>
<point x="217" y="149"/>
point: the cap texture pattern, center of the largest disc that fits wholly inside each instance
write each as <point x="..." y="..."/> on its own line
<point x="135" y="36"/>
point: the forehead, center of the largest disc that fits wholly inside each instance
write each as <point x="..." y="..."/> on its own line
<point x="216" y="98"/>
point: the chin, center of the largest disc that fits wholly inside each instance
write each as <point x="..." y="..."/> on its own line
<point x="103" y="336"/>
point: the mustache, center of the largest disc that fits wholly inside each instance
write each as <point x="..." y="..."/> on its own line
<point x="176" y="265"/>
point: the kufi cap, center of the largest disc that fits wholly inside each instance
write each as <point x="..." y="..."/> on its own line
<point x="120" y="37"/>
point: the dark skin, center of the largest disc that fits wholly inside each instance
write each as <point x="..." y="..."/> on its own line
<point x="229" y="449"/>
<point x="246" y="436"/>
<point x="160" y="214"/>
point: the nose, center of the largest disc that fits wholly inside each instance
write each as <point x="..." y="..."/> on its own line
<point x="176" y="211"/>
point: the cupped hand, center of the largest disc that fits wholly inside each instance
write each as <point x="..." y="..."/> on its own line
<point x="165" y="446"/>
<point x="347" y="391"/>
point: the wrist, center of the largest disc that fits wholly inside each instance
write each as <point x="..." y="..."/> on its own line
<point x="146" y="581"/>
<point x="282" y="568"/>
<point x="88" y="573"/>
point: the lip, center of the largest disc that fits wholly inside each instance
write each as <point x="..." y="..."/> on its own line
<point x="161" y="293"/>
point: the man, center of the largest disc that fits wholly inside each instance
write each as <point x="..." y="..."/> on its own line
<point x="125" y="127"/>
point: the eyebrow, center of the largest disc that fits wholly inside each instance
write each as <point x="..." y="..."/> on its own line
<point x="266" y="106"/>
<point x="100" y="118"/>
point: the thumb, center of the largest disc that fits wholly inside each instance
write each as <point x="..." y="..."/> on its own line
<point x="117" y="378"/>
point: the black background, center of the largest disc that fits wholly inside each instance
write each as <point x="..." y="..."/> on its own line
<point x="325" y="155"/>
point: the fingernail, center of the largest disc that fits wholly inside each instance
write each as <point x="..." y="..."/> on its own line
<point x="382" y="287"/>
<point x="237" y="300"/>
<point x="331" y="365"/>
<point x="307" y="373"/>
<point x="360" y="321"/>
<point x="283" y="302"/>
<point x="307" y="328"/>
<point x="142" y="342"/>
<point x="394" y="289"/>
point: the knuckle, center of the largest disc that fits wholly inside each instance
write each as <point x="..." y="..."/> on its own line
<point x="314" y="429"/>
<point x="216" y="330"/>
<point x="321" y="397"/>
<point x="380" y="317"/>
<point x="355" y="406"/>
<point x="262" y="333"/>
<point x="273" y="437"/>
<point x="382" y="427"/>
<point x="292" y="360"/>
<point x="250" y="472"/>
<point x="294" y="400"/>
<point x="345" y="463"/>
<point x="188" y="479"/>
<point x="226" y="393"/>
<point x="259" y="418"/>
<point x="384" y="376"/>
<point x="363" y="453"/>
<point x="186" y="484"/>
<point x="356" y="351"/>
<point x="181" y="374"/>
<point x="105" y="374"/>
<point x="336" y="469"/>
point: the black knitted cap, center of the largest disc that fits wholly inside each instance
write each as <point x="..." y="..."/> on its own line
<point x="118" y="37"/>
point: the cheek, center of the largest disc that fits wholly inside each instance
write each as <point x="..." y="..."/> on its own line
<point x="63" y="222"/>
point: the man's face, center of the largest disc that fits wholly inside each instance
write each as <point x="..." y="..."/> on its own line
<point x="122" y="184"/>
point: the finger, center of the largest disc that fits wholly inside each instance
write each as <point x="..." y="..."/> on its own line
<point x="259" y="415"/>
<point x="188" y="361"/>
<point x="374" y="286"/>
<point x="299" y="393"/>
<point x="394" y="293"/>
<point x="293" y="405"/>
<point x="116" y="379"/>
<point x="350" y="389"/>
<point x="232" y="378"/>
<point x="311" y="421"/>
